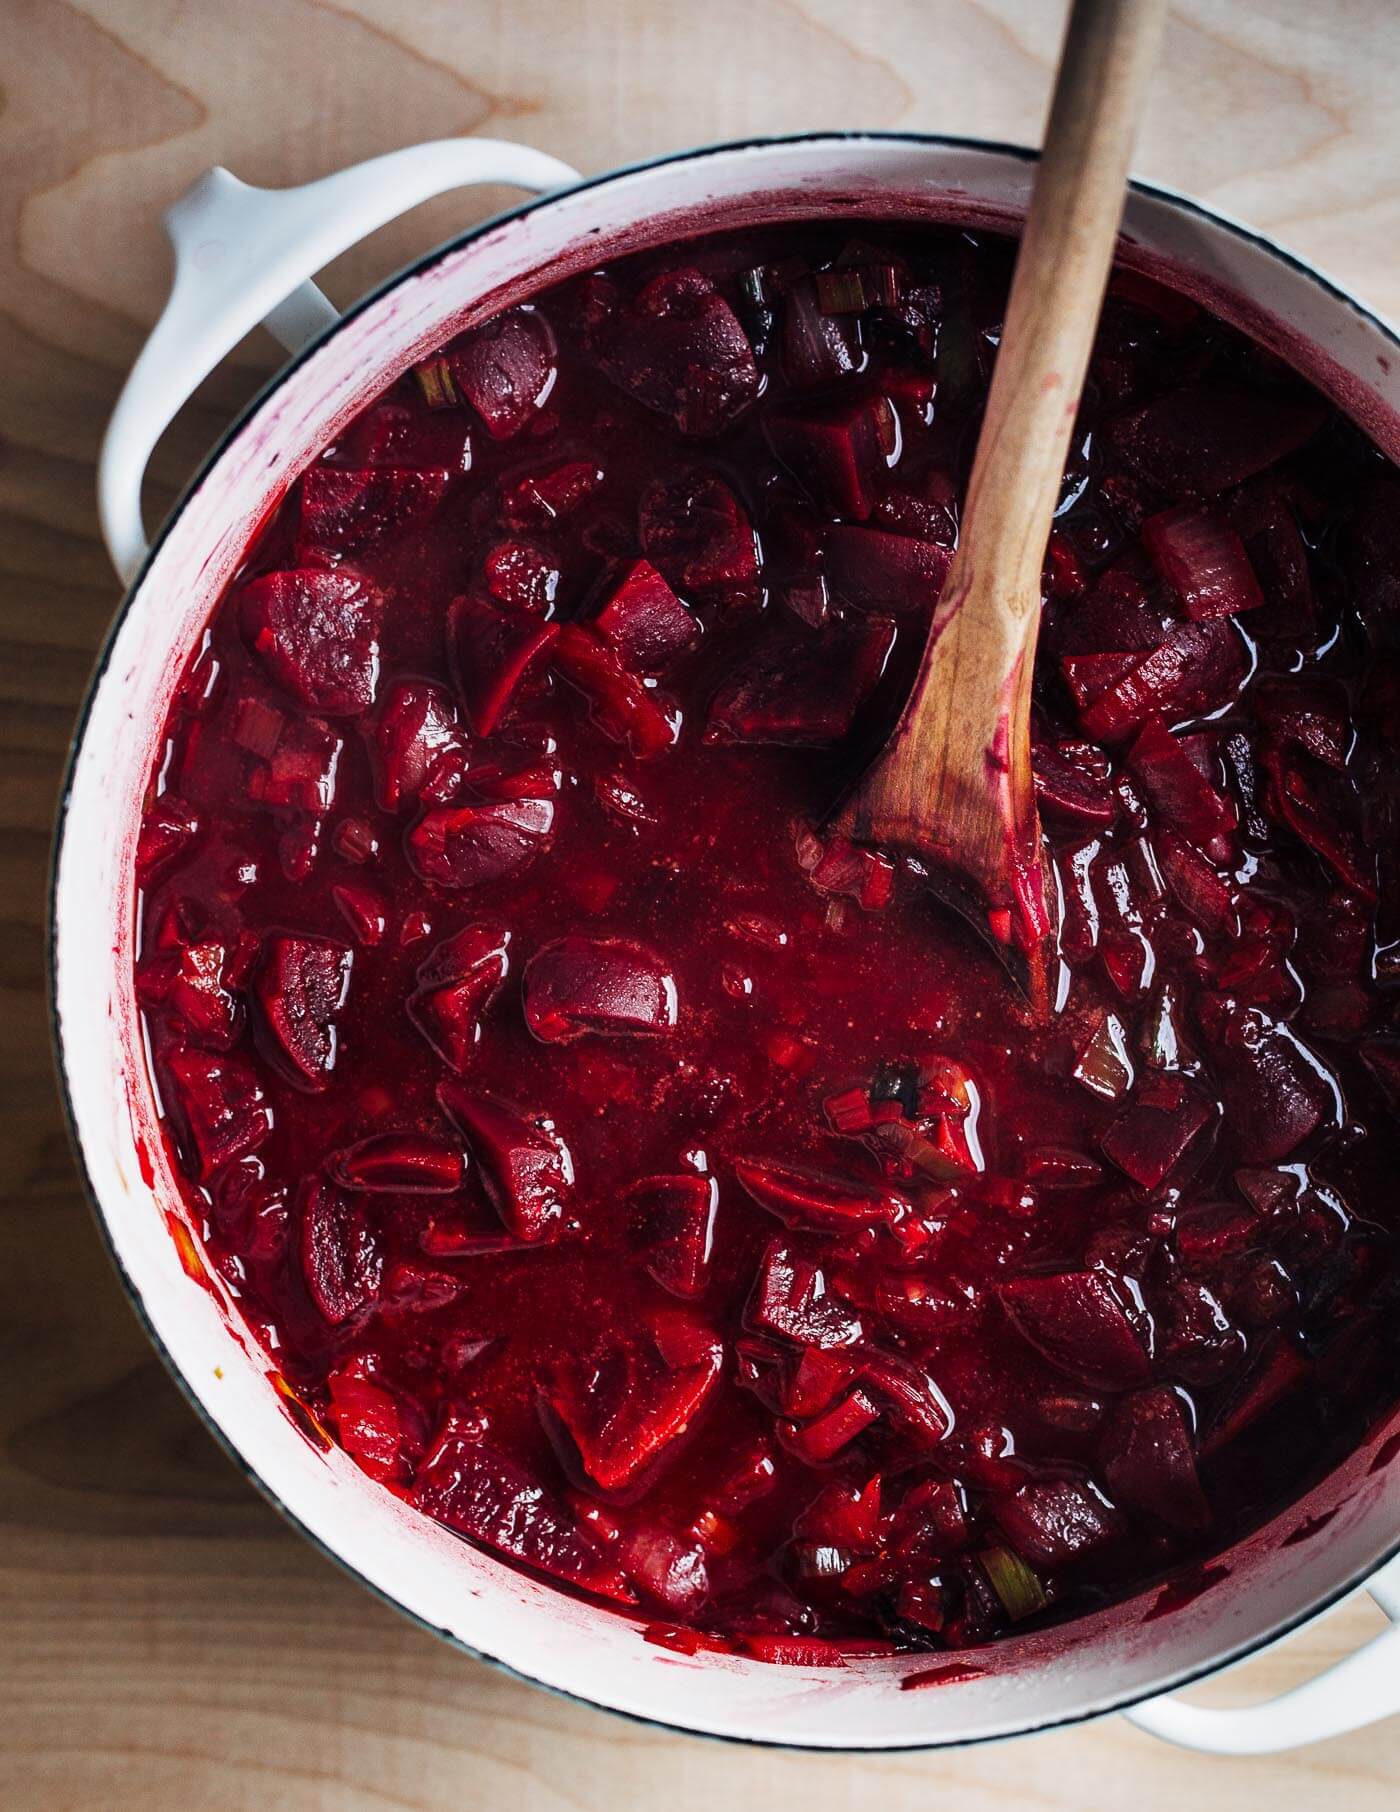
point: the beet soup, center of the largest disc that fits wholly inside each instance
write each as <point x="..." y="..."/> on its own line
<point x="671" y="1197"/>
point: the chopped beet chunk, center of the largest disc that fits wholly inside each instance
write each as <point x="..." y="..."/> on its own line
<point x="528" y="1170"/>
<point x="1200" y="441"/>
<point x="1206" y="897"/>
<point x="462" y="846"/>
<point x="1149" y="1463"/>
<point x="301" y="988"/>
<point x="301" y="768"/>
<point x="223" y="1106"/>
<point x="817" y="347"/>
<point x="488" y="1497"/>
<point x="1185" y="799"/>
<point x="456" y="984"/>
<point x="317" y="634"/>
<point x="1124" y="613"/>
<point x="168" y="827"/>
<point x="622" y="705"/>
<point x="1205" y="561"/>
<point x="493" y="648"/>
<point x="340" y="1255"/>
<point x="1055" y="1522"/>
<point x="1150" y="1137"/>
<point x="803" y="1198"/>
<point x="399" y="1163"/>
<point x="882" y="571"/>
<point x="1197" y="669"/>
<point x="791" y="1300"/>
<point x="1078" y="1323"/>
<point x="678" y="347"/>
<point x="667" y="1571"/>
<point x="415" y="743"/>
<point x="803" y="692"/>
<point x="191" y="982"/>
<point x="345" y="512"/>
<point x="645" y="620"/>
<point x="543" y="497"/>
<point x="1276" y="1091"/>
<point x="1072" y="783"/>
<point x="629" y="1404"/>
<point x="522" y="575"/>
<point x="676" y="1226"/>
<point x="505" y="369"/>
<point x="838" y="455"/>
<point x="695" y="531"/>
<point x="585" y="984"/>
<point x="367" y="1421"/>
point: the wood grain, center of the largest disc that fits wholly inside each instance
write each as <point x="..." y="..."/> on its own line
<point x="165" y="1642"/>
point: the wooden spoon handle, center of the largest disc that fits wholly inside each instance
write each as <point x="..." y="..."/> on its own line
<point x="954" y="781"/>
<point x="1057" y="291"/>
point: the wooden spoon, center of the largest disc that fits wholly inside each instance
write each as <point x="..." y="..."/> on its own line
<point x="953" y="784"/>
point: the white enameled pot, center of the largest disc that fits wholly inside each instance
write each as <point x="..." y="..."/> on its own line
<point x="246" y="255"/>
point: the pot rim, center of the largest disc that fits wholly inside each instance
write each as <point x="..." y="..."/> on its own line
<point x="1173" y="199"/>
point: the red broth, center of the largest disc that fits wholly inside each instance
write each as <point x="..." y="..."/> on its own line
<point x="674" y="1199"/>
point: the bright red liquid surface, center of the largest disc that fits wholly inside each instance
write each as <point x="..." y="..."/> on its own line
<point x="938" y="1319"/>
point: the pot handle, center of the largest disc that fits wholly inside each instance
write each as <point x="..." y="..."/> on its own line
<point x="1359" y="1690"/>
<point x="245" y="255"/>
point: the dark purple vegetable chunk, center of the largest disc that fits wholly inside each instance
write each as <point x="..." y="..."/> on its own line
<point x="1200" y="440"/>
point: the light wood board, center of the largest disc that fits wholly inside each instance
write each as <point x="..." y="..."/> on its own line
<point x="165" y="1642"/>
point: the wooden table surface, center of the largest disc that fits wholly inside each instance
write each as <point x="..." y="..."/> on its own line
<point x="165" y="1642"/>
